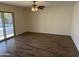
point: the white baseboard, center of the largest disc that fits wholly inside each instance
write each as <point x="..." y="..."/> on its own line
<point x="75" y="40"/>
<point x="50" y="33"/>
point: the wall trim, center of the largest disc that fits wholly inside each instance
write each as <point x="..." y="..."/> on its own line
<point x="50" y="33"/>
<point x="75" y="41"/>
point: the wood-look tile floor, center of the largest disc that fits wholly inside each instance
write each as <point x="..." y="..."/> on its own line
<point x="38" y="45"/>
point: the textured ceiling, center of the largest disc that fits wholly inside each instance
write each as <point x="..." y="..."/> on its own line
<point x="46" y="3"/>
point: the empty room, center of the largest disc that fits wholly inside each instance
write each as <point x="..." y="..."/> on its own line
<point x="39" y="29"/>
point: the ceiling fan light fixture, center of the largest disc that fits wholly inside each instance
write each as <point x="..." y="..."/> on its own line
<point x="34" y="7"/>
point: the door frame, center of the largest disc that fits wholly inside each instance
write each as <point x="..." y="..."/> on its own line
<point x="13" y="25"/>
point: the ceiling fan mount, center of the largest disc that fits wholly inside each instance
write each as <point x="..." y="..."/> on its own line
<point x="34" y="1"/>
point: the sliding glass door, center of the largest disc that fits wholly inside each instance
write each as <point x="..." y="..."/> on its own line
<point x="9" y="25"/>
<point x="1" y="28"/>
<point x="6" y="25"/>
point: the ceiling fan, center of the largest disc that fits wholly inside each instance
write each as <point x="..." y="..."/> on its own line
<point x="36" y="7"/>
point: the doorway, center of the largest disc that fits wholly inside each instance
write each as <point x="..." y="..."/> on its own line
<point x="6" y="25"/>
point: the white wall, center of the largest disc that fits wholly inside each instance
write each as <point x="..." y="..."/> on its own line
<point x="20" y="17"/>
<point x="54" y="20"/>
<point x="75" y="25"/>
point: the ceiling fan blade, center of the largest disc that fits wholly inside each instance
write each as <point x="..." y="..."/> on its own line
<point x="41" y="7"/>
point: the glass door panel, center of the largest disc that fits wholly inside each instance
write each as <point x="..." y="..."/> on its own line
<point x="9" y="28"/>
<point x="1" y="28"/>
